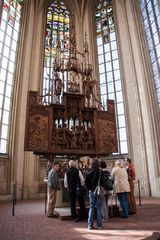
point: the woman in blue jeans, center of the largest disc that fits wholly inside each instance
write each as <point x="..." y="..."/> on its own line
<point x="121" y="185"/>
<point x="94" y="201"/>
<point x="92" y="178"/>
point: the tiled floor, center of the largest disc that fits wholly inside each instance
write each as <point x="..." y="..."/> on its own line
<point x="31" y="223"/>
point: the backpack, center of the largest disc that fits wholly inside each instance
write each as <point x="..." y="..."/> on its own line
<point x="108" y="181"/>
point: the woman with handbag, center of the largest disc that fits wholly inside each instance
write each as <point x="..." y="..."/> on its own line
<point x="94" y="183"/>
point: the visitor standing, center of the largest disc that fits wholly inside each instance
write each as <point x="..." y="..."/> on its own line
<point x="107" y="193"/>
<point x="121" y="185"/>
<point x="73" y="179"/>
<point x="93" y="176"/>
<point x="53" y="187"/>
<point x="131" y="178"/>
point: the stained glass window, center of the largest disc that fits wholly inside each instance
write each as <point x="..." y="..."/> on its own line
<point x="56" y="45"/>
<point x="151" y="19"/>
<point x="9" y="33"/>
<point x="109" y="69"/>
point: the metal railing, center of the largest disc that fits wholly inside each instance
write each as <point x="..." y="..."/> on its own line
<point x="14" y="199"/>
<point x="14" y="196"/>
<point x="139" y="192"/>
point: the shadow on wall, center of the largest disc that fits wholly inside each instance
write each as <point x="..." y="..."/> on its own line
<point x="154" y="236"/>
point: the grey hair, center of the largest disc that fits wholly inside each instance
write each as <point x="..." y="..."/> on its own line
<point x="119" y="163"/>
<point x="72" y="163"/>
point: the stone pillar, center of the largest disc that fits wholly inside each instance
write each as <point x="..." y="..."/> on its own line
<point x="29" y="71"/>
<point x="139" y="98"/>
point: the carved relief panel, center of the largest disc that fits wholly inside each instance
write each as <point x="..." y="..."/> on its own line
<point x="38" y="119"/>
<point x="70" y="128"/>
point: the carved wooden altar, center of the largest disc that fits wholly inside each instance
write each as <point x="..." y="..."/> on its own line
<point x="67" y="119"/>
<point x="70" y="128"/>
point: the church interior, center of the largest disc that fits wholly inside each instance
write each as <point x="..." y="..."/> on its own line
<point x="78" y="79"/>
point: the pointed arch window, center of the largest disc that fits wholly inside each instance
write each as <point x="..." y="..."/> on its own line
<point x="150" y="11"/>
<point x="109" y="68"/>
<point x="9" y="35"/>
<point x="57" y="37"/>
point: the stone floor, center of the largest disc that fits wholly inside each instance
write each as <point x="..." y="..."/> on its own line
<point x="31" y="223"/>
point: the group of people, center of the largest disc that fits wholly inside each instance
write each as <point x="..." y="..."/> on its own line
<point x="123" y="176"/>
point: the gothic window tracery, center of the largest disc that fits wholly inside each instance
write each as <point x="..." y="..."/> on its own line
<point x="56" y="50"/>
<point x="9" y="35"/>
<point x="109" y="69"/>
<point x="151" y="19"/>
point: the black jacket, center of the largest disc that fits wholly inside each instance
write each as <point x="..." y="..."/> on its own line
<point x="73" y="178"/>
<point x="92" y="178"/>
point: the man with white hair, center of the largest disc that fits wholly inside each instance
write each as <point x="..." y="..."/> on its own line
<point x="73" y="178"/>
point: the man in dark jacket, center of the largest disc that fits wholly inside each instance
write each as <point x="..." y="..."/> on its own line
<point x="93" y="176"/>
<point x="73" y="179"/>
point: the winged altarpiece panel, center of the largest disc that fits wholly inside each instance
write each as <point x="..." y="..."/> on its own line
<point x="70" y="128"/>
